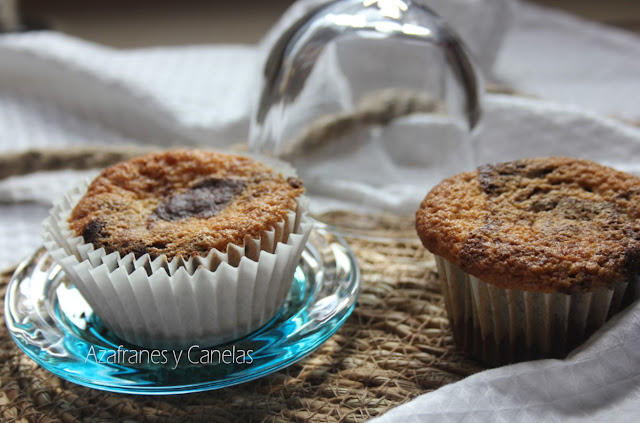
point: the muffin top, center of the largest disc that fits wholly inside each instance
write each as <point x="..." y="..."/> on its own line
<point x="552" y="224"/>
<point x="182" y="203"/>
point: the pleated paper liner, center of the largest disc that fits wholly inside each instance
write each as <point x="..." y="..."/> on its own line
<point x="177" y="303"/>
<point x="501" y="326"/>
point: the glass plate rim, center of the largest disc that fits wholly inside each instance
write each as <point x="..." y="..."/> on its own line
<point x="330" y="326"/>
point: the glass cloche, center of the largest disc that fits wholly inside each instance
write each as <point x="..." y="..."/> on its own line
<point x="374" y="102"/>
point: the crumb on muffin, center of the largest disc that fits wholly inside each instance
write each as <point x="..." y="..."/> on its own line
<point x="552" y="224"/>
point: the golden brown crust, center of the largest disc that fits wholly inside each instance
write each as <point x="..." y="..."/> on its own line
<point x="552" y="224"/>
<point x="182" y="203"/>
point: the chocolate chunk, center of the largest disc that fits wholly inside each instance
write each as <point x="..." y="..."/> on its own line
<point x="488" y="179"/>
<point x="578" y="209"/>
<point x="294" y="182"/>
<point x="494" y="179"/>
<point x="138" y="248"/>
<point x="205" y="199"/>
<point x="543" y="204"/>
<point x="538" y="172"/>
<point x="93" y="231"/>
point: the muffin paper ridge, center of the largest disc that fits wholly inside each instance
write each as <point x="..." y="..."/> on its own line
<point x="177" y="303"/>
<point x="500" y="326"/>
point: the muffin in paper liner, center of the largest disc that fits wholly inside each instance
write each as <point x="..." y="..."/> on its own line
<point x="534" y="255"/>
<point x="500" y="326"/>
<point x="177" y="303"/>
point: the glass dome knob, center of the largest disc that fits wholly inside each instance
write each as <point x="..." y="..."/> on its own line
<point x="374" y="102"/>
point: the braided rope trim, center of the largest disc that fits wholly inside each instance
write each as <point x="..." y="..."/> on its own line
<point x="52" y="159"/>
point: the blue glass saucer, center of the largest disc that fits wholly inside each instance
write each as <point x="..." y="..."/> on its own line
<point x="52" y="323"/>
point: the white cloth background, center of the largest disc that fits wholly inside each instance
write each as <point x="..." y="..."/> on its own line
<point x="57" y="91"/>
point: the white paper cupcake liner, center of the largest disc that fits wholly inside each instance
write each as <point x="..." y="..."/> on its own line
<point x="177" y="303"/>
<point x="500" y="326"/>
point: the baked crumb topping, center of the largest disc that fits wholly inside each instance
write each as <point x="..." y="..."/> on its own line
<point x="182" y="203"/>
<point x="553" y="224"/>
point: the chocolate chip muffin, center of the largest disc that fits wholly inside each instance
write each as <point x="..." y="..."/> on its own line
<point x="182" y="203"/>
<point x="182" y="247"/>
<point x="533" y="254"/>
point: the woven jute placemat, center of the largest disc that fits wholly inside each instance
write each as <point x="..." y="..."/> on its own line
<point x="395" y="346"/>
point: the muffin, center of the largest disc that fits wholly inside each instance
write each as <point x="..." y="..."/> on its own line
<point x="533" y="255"/>
<point x="182" y="247"/>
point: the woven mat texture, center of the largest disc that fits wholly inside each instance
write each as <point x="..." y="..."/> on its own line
<point x="396" y="345"/>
